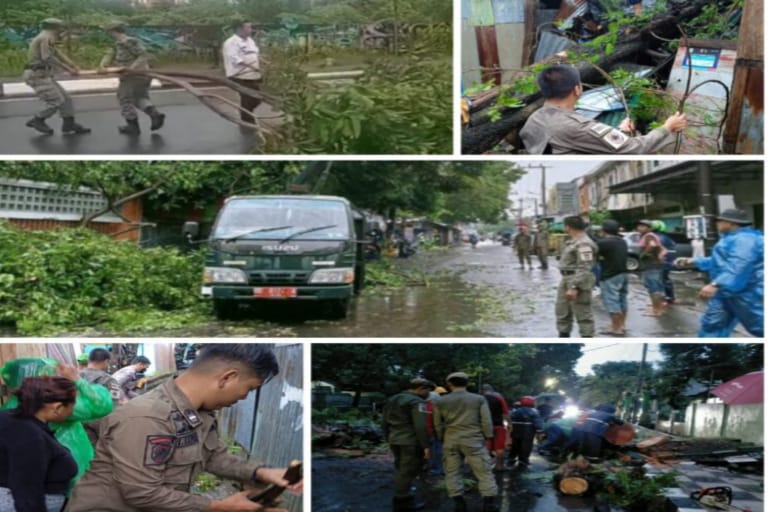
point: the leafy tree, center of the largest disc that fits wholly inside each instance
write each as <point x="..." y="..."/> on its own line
<point x="609" y="381"/>
<point x="707" y="363"/>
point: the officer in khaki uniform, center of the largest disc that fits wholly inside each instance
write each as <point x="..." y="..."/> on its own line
<point x="405" y="428"/>
<point x="541" y="243"/>
<point x="556" y="128"/>
<point x="574" y="295"/>
<point x="523" y="242"/>
<point x="463" y="422"/>
<point x="151" y="449"/>
<point x="133" y="91"/>
<point x="42" y="60"/>
<point x="95" y="373"/>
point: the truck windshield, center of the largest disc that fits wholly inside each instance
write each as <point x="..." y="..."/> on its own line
<point x="281" y="218"/>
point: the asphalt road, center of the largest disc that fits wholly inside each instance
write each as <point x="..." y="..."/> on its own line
<point x="190" y="129"/>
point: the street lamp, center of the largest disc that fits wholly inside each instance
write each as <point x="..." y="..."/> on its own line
<point x="550" y="382"/>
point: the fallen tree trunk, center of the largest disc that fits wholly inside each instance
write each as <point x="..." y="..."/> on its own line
<point x="482" y="134"/>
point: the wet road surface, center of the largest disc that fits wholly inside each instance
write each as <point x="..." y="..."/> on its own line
<point x="468" y="292"/>
<point x="526" y="491"/>
<point x="190" y="128"/>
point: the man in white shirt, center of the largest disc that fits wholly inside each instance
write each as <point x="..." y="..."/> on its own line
<point x="241" y="64"/>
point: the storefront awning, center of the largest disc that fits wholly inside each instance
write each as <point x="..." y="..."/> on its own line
<point x="681" y="177"/>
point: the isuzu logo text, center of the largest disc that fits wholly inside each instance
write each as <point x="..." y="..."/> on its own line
<point x="280" y="248"/>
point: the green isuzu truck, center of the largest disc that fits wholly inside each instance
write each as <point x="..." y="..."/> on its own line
<point x="283" y="248"/>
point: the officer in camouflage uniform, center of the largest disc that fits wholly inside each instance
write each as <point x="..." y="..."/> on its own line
<point x="574" y="295"/>
<point x="43" y="59"/>
<point x="133" y="91"/>
<point x="463" y="422"/>
<point x="556" y="128"/>
<point x="405" y="428"/>
<point x="152" y="449"/>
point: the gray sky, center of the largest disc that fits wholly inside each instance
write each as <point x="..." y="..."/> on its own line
<point x="598" y="353"/>
<point x="557" y="171"/>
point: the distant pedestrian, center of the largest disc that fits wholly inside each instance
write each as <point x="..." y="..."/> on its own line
<point x="523" y="245"/>
<point x="463" y="422"/>
<point x="128" y="377"/>
<point x="652" y="254"/>
<point x="42" y="62"/>
<point x="735" y="291"/>
<point x="406" y="431"/>
<point x="525" y="422"/>
<point x="499" y="414"/>
<point x="129" y="54"/>
<point x="614" y="278"/>
<point x="574" y="295"/>
<point x="670" y="255"/>
<point x="541" y="244"/>
<point x="242" y="65"/>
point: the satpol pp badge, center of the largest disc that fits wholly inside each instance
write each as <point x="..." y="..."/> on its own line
<point x="615" y="138"/>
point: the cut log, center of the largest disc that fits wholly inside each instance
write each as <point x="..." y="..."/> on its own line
<point x="482" y="134"/>
<point x="653" y="442"/>
<point x="574" y="486"/>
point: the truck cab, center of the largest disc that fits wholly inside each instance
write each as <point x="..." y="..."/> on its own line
<point x="283" y="248"/>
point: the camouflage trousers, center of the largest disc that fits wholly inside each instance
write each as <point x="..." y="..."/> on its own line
<point x="133" y="93"/>
<point x="579" y="309"/>
<point x="47" y="89"/>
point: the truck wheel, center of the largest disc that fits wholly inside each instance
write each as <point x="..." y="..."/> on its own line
<point x="338" y="309"/>
<point x="226" y="309"/>
<point x="632" y="264"/>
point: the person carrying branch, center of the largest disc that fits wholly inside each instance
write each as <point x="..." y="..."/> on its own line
<point x="129" y="54"/>
<point x="43" y="60"/>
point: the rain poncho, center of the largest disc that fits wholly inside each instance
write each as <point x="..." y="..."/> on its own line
<point x="93" y="402"/>
<point x="736" y="265"/>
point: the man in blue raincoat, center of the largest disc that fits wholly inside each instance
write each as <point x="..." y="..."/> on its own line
<point x="591" y="431"/>
<point x="735" y="292"/>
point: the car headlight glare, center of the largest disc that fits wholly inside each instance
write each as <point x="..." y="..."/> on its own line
<point x="333" y="276"/>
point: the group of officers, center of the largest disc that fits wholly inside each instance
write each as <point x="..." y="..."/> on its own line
<point x="734" y="293"/>
<point x="128" y="57"/>
<point x="444" y="428"/>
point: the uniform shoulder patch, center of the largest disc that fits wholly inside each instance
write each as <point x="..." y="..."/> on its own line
<point x="158" y="449"/>
<point x="586" y="253"/>
<point x="600" y="129"/>
<point x="615" y="138"/>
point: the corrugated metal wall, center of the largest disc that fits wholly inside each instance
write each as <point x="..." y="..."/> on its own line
<point x="270" y="421"/>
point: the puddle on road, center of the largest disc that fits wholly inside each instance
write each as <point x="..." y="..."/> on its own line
<point x="531" y="491"/>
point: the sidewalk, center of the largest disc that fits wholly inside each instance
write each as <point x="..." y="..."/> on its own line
<point x="747" y="488"/>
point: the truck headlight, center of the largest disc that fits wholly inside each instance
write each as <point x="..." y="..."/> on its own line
<point x="333" y="276"/>
<point x="224" y="275"/>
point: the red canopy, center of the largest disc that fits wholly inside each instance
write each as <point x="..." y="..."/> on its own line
<point x="747" y="389"/>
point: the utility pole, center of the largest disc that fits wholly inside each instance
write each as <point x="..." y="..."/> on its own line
<point x="543" y="186"/>
<point x="640" y="379"/>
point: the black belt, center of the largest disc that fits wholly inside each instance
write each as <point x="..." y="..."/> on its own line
<point x="567" y="272"/>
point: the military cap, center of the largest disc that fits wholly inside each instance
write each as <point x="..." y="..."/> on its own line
<point x="457" y="375"/>
<point x="52" y="22"/>
<point x="422" y="383"/>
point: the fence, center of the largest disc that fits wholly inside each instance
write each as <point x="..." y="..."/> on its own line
<point x="269" y="422"/>
<point x="744" y="422"/>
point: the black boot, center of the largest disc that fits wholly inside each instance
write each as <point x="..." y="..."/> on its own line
<point x="131" y="127"/>
<point x="564" y="335"/>
<point x="459" y="505"/>
<point x="158" y="118"/>
<point x="70" y="126"/>
<point x="489" y="504"/>
<point x="39" y="124"/>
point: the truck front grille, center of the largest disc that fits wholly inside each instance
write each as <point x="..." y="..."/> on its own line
<point x="277" y="278"/>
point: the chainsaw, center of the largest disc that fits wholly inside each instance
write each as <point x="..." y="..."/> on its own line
<point x="716" y="497"/>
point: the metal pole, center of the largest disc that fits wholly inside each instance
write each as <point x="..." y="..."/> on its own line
<point x="543" y="191"/>
<point x="640" y="378"/>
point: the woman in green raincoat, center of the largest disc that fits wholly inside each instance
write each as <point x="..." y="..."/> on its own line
<point x="93" y="402"/>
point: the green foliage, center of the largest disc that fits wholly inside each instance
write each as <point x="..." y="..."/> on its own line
<point x="609" y="381"/>
<point x="53" y="281"/>
<point x="351" y="417"/>
<point x="513" y="369"/>
<point x="205" y="482"/>
<point x="716" y="21"/>
<point x="385" y="274"/>
<point x="401" y="106"/>
<point x="634" y="491"/>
